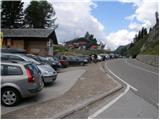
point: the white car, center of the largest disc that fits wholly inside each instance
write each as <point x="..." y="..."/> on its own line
<point x="99" y="58"/>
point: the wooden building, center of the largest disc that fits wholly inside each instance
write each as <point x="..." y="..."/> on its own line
<point x="80" y="43"/>
<point x="35" y="41"/>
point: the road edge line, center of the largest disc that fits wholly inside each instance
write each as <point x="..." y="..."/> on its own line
<point x="135" y="89"/>
<point x="109" y="104"/>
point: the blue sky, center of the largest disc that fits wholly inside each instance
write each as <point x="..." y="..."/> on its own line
<point x="107" y="21"/>
<point x="112" y="14"/>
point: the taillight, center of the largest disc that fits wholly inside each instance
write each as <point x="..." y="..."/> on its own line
<point x="62" y="61"/>
<point x="30" y="77"/>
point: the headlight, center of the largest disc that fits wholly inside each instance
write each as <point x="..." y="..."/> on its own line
<point x="85" y="61"/>
<point x="53" y="63"/>
<point x="54" y="72"/>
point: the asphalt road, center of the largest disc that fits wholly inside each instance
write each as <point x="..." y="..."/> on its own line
<point x="144" y="79"/>
<point x="140" y="100"/>
<point x="130" y="106"/>
<point x="63" y="83"/>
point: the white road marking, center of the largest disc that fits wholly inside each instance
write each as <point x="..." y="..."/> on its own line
<point x="116" y="99"/>
<point x="121" y="79"/>
<point x="109" y="104"/>
<point x="141" y="68"/>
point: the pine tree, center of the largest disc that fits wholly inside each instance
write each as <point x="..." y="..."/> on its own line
<point x="87" y="35"/>
<point x="157" y="17"/>
<point x="12" y="14"/>
<point x="39" y="14"/>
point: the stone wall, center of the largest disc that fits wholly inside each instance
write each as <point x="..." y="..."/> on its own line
<point x="149" y="59"/>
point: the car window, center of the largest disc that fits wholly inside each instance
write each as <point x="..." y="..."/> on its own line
<point x="33" y="68"/>
<point x="64" y="58"/>
<point x="74" y="58"/>
<point x="42" y="58"/>
<point x="4" y="57"/>
<point x="11" y="57"/>
<point x="51" y="59"/>
<point x="55" y="58"/>
<point x="30" y="59"/>
<point x="36" y="58"/>
<point x="12" y="70"/>
<point x="2" y="70"/>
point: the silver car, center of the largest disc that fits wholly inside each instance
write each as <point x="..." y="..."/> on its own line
<point x="19" y="80"/>
<point x="49" y="75"/>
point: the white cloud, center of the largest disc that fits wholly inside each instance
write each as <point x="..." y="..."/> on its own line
<point x="73" y="25"/>
<point x="121" y="37"/>
<point x="145" y="13"/>
<point x="75" y="19"/>
<point x="144" y="16"/>
<point x="135" y="26"/>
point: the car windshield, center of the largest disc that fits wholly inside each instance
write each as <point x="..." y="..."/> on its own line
<point x="56" y="58"/>
<point x="31" y="59"/>
<point x="34" y="57"/>
<point x="42" y="59"/>
<point x="51" y="59"/>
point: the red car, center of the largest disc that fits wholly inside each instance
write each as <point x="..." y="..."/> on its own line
<point x="64" y="62"/>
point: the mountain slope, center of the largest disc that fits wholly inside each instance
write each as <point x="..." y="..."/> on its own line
<point x="144" y="43"/>
<point x="151" y="46"/>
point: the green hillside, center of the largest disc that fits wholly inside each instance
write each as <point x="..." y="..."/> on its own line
<point x="143" y="43"/>
<point x="151" y="46"/>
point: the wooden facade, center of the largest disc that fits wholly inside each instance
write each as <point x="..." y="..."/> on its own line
<point x="40" y="45"/>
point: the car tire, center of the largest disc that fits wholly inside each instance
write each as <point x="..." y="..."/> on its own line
<point x="45" y="83"/>
<point x="12" y="95"/>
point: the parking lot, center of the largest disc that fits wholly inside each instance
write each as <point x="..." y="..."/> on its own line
<point x="65" y="80"/>
<point x="32" y="80"/>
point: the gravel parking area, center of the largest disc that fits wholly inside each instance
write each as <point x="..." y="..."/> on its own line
<point x="92" y="83"/>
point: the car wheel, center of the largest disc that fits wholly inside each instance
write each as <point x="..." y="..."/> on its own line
<point x="10" y="97"/>
<point x="44" y="81"/>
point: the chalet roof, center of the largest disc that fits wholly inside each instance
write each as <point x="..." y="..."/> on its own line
<point x="39" y="33"/>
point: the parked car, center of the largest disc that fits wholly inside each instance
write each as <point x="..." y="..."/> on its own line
<point x="74" y="60"/>
<point x="107" y="56"/>
<point x="13" y="50"/>
<point x="64" y="62"/>
<point x="85" y="58"/>
<point x="45" y="60"/>
<point x="54" y="62"/>
<point x="48" y="74"/>
<point x="99" y="58"/>
<point x="19" y="80"/>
